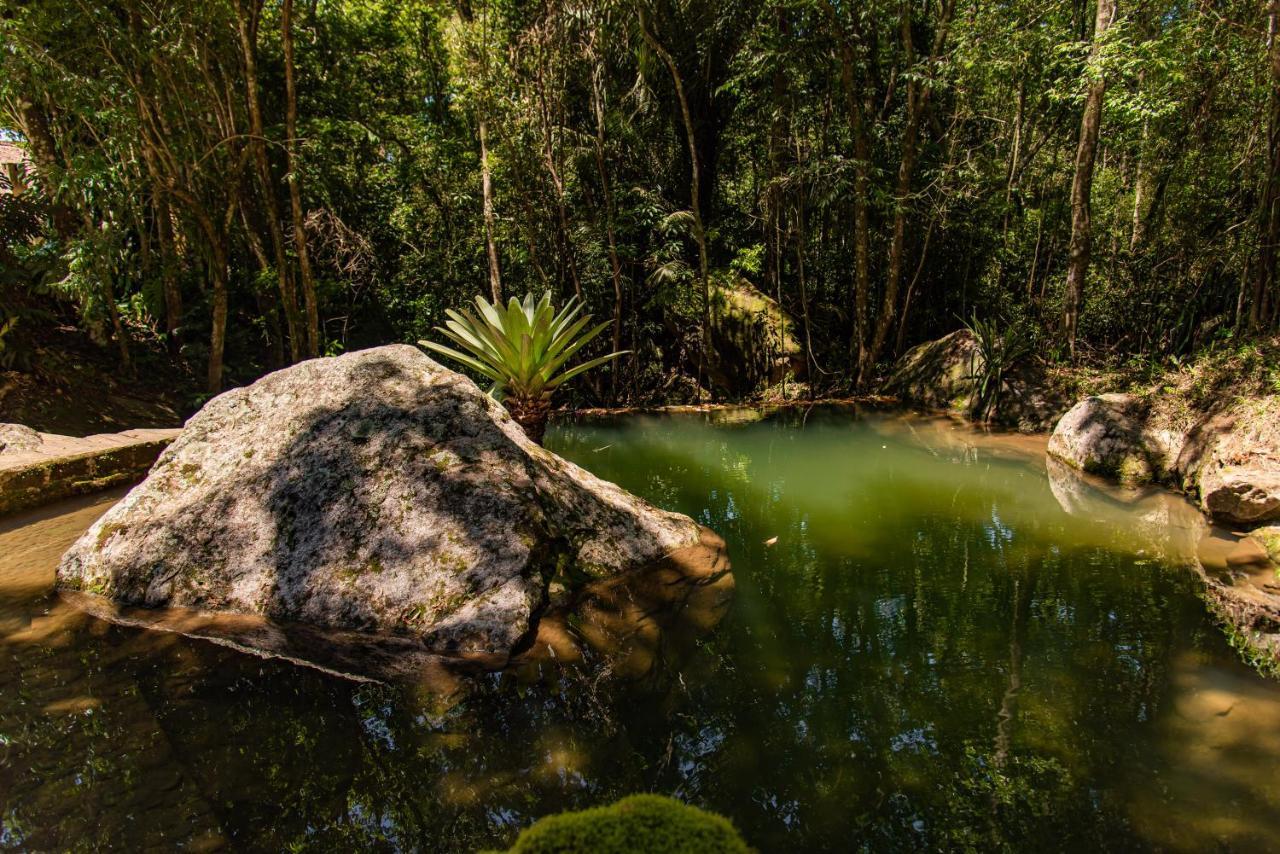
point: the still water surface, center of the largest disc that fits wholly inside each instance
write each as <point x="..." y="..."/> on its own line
<point x="933" y="641"/>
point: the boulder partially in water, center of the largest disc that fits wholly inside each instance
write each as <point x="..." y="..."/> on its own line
<point x="1228" y="459"/>
<point x="938" y="374"/>
<point x="374" y="493"/>
<point x="1105" y="435"/>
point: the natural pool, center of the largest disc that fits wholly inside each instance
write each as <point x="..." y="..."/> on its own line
<point x="947" y="645"/>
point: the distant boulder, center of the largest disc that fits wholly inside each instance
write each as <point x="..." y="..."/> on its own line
<point x="938" y="374"/>
<point x="373" y="494"/>
<point x="754" y="339"/>
<point x="18" y="438"/>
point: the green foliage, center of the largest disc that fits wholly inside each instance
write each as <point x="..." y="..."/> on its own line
<point x="522" y="348"/>
<point x="589" y="166"/>
<point x="640" y="823"/>
<point x="1000" y="349"/>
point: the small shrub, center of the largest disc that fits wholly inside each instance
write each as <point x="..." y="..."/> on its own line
<point x="640" y="823"/>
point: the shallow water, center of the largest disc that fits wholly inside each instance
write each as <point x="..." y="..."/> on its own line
<point x="947" y="645"/>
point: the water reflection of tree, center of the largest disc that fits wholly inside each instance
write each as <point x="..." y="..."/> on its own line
<point x="916" y="664"/>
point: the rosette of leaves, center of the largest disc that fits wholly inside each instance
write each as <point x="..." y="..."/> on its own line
<point x="524" y="348"/>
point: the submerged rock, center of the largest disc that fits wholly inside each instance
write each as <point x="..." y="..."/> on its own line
<point x="375" y="493"/>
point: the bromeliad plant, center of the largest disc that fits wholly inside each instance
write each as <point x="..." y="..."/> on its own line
<point x="521" y="348"/>
<point x="999" y="350"/>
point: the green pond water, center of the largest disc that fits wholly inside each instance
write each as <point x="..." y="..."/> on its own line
<point x="929" y="641"/>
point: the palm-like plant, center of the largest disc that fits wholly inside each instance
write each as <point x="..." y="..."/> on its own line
<point x="522" y="348"/>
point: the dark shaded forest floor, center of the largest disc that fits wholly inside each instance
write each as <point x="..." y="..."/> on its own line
<point x="75" y="387"/>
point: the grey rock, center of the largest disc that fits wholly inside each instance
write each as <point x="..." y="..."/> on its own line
<point x="375" y="492"/>
<point x="17" y="438"/>
<point x="1104" y="435"/>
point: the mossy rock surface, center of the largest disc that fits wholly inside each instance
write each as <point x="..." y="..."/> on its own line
<point x="640" y="823"/>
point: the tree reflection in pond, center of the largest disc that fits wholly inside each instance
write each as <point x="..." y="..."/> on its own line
<point x="933" y="653"/>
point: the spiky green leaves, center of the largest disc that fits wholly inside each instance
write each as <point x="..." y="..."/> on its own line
<point x="522" y="346"/>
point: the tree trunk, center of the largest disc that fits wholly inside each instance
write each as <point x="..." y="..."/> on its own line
<point x="855" y="95"/>
<point x="248" y="29"/>
<point x="295" y="183"/>
<point x="1265" y="307"/>
<point x="606" y="188"/>
<point x="168" y="275"/>
<point x="695" y="195"/>
<point x="1082" y="183"/>
<point x="218" y="329"/>
<point x="486" y="187"/>
<point x="918" y="91"/>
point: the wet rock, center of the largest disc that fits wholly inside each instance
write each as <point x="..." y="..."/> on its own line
<point x="375" y="493"/>
<point x="1231" y="460"/>
<point x="1105" y="435"/>
<point x="1269" y="537"/>
<point x="16" y="438"/>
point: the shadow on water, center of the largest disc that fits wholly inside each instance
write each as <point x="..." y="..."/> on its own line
<point x="942" y="648"/>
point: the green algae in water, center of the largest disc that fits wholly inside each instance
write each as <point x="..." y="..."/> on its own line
<point x="933" y="643"/>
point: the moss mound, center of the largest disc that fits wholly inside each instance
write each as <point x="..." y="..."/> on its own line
<point x="640" y="823"/>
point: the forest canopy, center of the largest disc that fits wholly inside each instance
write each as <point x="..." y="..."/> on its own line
<point x="254" y="182"/>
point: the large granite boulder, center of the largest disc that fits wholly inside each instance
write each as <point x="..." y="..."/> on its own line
<point x="1105" y="435"/>
<point x="1231" y="461"/>
<point x="376" y="493"/>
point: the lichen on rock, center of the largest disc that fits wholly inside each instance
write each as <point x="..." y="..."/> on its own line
<point x="374" y="492"/>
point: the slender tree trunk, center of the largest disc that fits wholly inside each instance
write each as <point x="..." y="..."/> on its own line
<point x="695" y="195"/>
<point x="486" y="187"/>
<point x="1265" y="307"/>
<point x="1082" y="183"/>
<point x="1141" y="178"/>
<point x="553" y="171"/>
<point x="855" y="92"/>
<point x="168" y="273"/>
<point x="295" y="184"/>
<point x="218" y="328"/>
<point x="917" y="98"/>
<point x="248" y="30"/>
<point x="606" y="188"/>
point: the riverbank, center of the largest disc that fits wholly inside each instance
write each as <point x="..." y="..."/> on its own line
<point x="1207" y="428"/>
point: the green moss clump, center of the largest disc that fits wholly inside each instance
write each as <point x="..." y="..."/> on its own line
<point x="640" y="823"/>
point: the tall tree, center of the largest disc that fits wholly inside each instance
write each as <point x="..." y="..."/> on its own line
<point x="1081" y="244"/>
